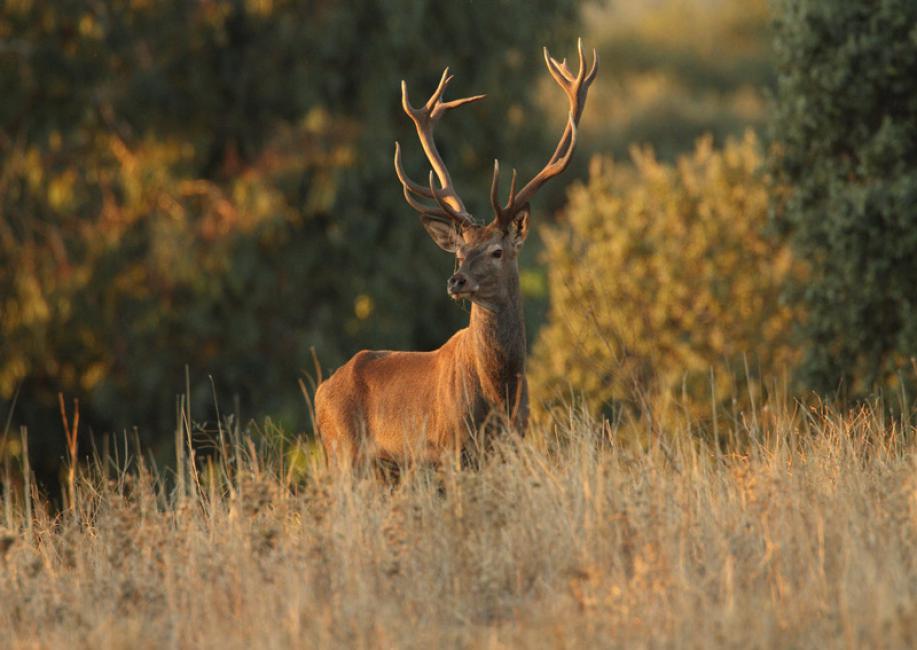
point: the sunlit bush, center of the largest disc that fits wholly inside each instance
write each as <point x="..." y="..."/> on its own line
<point x="664" y="281"/>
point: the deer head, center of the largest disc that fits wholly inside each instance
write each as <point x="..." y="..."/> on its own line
<point x="486" y="255"/>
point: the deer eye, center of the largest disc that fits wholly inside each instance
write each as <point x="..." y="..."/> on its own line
<point x="497" y="254"/>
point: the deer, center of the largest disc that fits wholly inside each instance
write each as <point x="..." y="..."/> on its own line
<point x="405" y="407"/>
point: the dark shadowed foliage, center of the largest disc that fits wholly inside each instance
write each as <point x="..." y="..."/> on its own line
<point x="846" y="130"/>
<point x="210" y="184"/>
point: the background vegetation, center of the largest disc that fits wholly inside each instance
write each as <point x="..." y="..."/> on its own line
<point x="664" y="283"/>
<point x="846" y="129"/>
<point x="210" y="185"/>
<point x="675" y="71"/>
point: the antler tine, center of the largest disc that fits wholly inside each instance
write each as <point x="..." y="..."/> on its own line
<point x="557" y="165"/>
<point x="442" y="107"/>
<point x="425" y="209"/>
<point x="493" y="187"/>
<point x="424" y="119"/>
<point x="582" y="61"/>
<point x="576" y="88"/>
<point x="512" y="190"/>
<point x="461" y="219"/>
<point x="501" y="212"/>
<point x="440" y="89"/>
<point x="416" y="188"/>
<point x="410" y="187"/>
<point x="429" y="191"/>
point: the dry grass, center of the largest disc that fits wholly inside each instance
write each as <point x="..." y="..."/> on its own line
<point x="803" y="535"/>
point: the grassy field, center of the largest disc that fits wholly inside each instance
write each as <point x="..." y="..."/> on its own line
<point x="798" y="532"/>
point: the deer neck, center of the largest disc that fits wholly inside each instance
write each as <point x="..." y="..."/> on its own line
<point x="496" y="334"/>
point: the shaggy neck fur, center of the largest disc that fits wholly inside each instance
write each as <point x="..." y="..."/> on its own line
<point x="497" y="338"/>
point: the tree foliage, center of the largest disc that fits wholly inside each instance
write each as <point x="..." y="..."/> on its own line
<point x="210" y="184"/>
<point x="662" y="275"/>
<point x="846" y="130"/>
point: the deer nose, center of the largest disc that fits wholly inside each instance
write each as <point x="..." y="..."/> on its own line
<point x="457" y="283"/>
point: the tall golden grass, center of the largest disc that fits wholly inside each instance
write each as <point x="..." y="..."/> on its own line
<point x="797" y="530"/>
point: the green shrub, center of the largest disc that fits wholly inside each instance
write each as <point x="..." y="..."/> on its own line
<point x="845" y="129"/>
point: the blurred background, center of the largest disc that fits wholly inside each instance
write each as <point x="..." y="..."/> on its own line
<point x="203" y="192"/>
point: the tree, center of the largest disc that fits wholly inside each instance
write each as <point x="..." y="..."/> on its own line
<point x="211" y="184"/>
<point x="845" y="126"/>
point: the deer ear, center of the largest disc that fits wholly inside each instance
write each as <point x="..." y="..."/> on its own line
<point x="443" y="233"/>
<point x="518" y="228"/>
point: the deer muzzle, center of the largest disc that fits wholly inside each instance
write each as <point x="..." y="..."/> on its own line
<point x="461" y="286"/>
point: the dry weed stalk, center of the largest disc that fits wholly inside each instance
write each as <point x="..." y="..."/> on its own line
<point x="71" y="431"/>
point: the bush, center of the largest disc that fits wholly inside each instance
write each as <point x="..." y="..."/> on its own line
<point x="845" y="127"/>
<point x="662" y="275"/>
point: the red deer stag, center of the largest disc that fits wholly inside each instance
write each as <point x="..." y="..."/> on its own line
<point x="418" y="406"/>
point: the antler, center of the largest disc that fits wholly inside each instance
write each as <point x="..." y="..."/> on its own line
<point x="425" y="118"/>
<point x="576" y="89"/>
